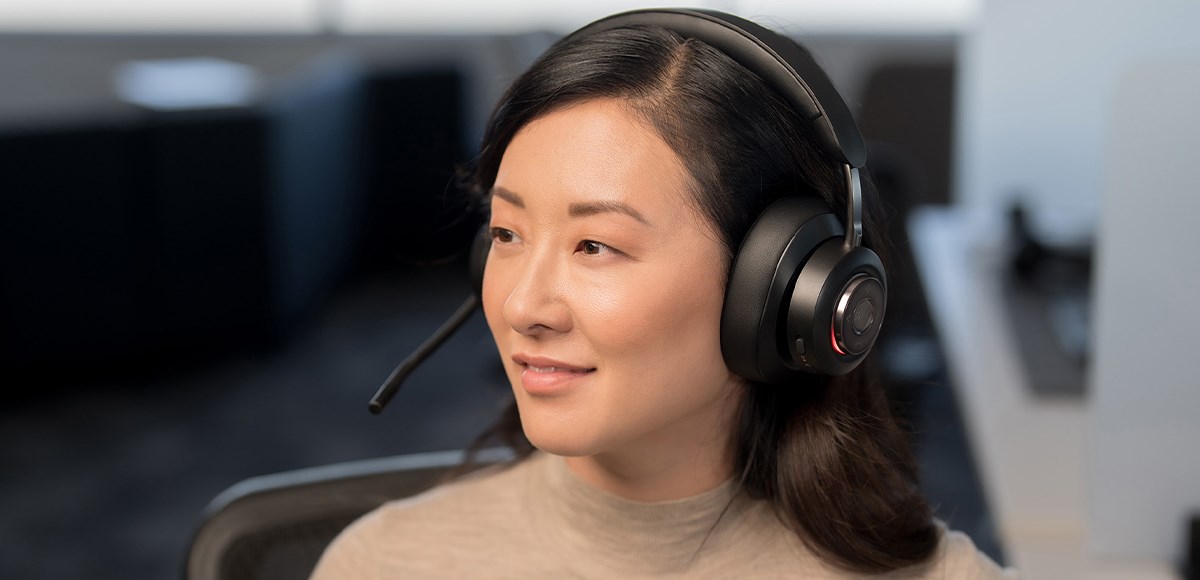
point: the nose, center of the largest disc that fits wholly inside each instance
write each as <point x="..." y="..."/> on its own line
<point x="536" y="304"/>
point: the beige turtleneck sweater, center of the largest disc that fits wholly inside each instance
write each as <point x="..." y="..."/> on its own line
<point x="537" y="520"/>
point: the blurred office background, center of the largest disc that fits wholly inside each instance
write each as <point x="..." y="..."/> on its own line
<point x="223" y="223"/>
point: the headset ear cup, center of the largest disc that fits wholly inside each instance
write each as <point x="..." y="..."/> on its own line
<point x="756" y="300"/>
<point x="836" y="309"/>
<point x="477" y="261"/>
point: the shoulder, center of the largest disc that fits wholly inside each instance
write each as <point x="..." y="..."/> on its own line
<point x="958" y="557"/>
<point x="778" y="552"/>
<point x="427" y="528"/>
<point x="480" y="494"/>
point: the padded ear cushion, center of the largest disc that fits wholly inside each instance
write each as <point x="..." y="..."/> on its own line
<point x="761" y="276"/>
<point x="477" y="261"/>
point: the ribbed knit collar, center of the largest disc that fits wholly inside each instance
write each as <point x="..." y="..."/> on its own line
<point x="651" y="538"/>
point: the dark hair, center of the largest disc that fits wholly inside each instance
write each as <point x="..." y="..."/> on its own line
<point x="827" y="455"/>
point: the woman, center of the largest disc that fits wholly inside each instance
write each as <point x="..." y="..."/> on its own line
<point x="623" y="172"/>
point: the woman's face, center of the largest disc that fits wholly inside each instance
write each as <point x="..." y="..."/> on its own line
<point x="604" y="287"/>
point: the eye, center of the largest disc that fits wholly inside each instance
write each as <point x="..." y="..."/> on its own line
<point x="592" y="247"/>
<point x="502" y="235"/>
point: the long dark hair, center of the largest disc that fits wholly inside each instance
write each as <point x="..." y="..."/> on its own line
<point x="828" y="455"/>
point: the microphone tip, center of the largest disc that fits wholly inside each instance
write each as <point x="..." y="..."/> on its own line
<point x="375" y="407"/>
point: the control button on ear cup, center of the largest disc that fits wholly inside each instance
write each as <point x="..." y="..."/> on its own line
<point x="857" y="318"/>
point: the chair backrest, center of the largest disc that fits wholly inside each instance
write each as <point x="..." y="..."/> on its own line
<point x="276" y="526"/>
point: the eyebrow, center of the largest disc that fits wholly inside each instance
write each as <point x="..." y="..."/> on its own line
<point x="579" y="209"/>
<point x="508" y="196"/>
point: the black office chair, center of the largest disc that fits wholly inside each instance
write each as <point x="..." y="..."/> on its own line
<point x="276" y="526"/>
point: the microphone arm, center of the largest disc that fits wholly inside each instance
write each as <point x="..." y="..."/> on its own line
<point x="408" y="365"/>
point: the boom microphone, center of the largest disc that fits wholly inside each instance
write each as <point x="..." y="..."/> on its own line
<point x="408" y="365"/>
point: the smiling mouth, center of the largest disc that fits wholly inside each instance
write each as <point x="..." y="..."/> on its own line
<point x="557" y="369"/>
<point x="552" y="381"/>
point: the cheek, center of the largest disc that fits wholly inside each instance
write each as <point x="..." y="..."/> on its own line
<point x="495" y="293"/>
<point x="660" y="323"/>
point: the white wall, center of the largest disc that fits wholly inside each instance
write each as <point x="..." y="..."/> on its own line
<point x="459" y="16"/>
<point x="1036" y="83"/>
<point x="158" y="15"/>
<point x="1057" y="100"/>
<point x="1145" y="401"/>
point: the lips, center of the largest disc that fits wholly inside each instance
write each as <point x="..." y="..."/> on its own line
<point x="553" y="369"/>
<point x="541" y="364"/>
<point x="545" y="377"/>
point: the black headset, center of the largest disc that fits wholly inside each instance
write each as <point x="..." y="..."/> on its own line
<point x="804" y="295"/>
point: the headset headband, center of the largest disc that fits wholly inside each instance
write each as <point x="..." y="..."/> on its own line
<point x="786" y="67"/>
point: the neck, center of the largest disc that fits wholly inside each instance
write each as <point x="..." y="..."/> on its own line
<point x="685" y="461"/>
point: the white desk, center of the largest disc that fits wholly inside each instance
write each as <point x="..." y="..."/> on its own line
<point x="1030" y="452"/>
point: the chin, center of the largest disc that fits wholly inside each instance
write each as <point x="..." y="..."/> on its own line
<point x="554" y="448"/>
<point x="558" y="437"/>
<point x="558" y="443"/>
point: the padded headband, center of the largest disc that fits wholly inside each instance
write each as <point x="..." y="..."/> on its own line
<point x="784" y="65"/>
